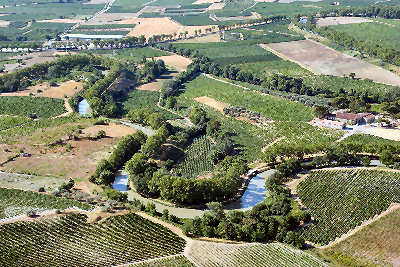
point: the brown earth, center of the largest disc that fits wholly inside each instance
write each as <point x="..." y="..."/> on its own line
<point x="211" y="38"/>
<point x="68" y="88"/>
<point x="4" y="23"/>
<point x="321" y="59"/>
<point x="176" y="61"/>
<point x="156" y="85"/>
<point x="61" y="20"/>
<point x="211" y="102"/>
<point x="112" y="130"/>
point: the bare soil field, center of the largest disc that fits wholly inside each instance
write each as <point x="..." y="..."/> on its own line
<point x="175" y="61"/>
<point x="321" y="59"/>
<point x="4" y="23"/>
<point x="210" y="38"/>
<point x="61" y="20"/>
<point x="110" y="18"/>
<point x="330" y="21"/>
<point x="29" y="60"/>
<point x="112" y="130"/>
<point x="151" y="26"/>
<point x="156" y="85"/>
<point x="387" y="133"/>
<point x="254" y="15"/>
<point x="29" y="182"/>
<point x="211" y="102"/>
<point x="59" y="53"/>
<point x="68" y="88"/>
<point x="80" y="162"/>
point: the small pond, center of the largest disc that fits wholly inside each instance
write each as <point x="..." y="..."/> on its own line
<point x="121" y="182"/>
<point x="83" y="107"/>
<point x="254" y="194"/>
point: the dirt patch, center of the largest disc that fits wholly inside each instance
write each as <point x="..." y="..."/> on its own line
<point x="387" y="133"/>
<point x="44" y="89"/>
<point x="61" y="20"/>
<point x="175" y="61"/>
<point x="211" y="102"/>
<point x="321" y="59"/>
<point x="4" y="23"/>
<point x="112" y="130"/>
<point x="59" y="53"/>
<point x="330" y="21"/>
<point x="156" y="85"/>
<point x="151" y="26"/>
<point x="211" y="38"/>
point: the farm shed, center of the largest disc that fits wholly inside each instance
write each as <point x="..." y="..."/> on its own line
<point x="355" y="118"/>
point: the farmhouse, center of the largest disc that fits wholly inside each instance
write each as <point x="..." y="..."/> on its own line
<point x="337" y="125"/>
<point x="355" y="118"/>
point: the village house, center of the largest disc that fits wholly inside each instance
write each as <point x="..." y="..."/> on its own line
<point x="354" y="118"/>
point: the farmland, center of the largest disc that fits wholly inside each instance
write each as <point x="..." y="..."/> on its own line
<point x="7" y="122"/>
<point x="340" y="200"/>
<point x="26" y="105"/>
<point x="317" y="57"/>
<point x="71" y="241"/>
<point x="16" y="202"/>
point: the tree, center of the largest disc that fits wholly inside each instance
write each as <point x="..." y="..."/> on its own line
<point x="137" y="164"/>
<point x="321" y="112"/>
<point x="197" y="115"/>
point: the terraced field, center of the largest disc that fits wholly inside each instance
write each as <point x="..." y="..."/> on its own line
<point x="71" y="241"/>
<point x="340" y="200"/>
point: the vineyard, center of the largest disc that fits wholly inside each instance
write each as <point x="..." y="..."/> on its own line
<point x="177" y="261"/>
<point x="25" y="105"/>
<point x="340" y="200"/>
<point x="7" y="122"/>
<point x="16" y="202"/>
<point x="208" y="254"/>
<point x="197" y="159"/>
<point x="71" y="241"/>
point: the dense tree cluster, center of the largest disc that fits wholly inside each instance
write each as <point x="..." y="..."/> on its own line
<point x="126" y="148"/>
<point x="276" y="218"/>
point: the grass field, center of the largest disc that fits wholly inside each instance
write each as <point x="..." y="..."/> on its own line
<point x="71" y="241"/>
<point x="340" y="200"/>
<point x="177" y="261"/>
<point x="26" y="105"/>
<point x="378" y="243"/>
<point x="17" y="202"/>
<point x="373" y="32"/>
<point x="7" y="122"/>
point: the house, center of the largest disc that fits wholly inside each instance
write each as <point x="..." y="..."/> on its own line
<point x="355" y="118"/>
<point x="88" y="37"/>
<point x="337" y="125"/>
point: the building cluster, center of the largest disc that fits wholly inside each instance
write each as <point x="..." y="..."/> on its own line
<point x="339" y="120"/>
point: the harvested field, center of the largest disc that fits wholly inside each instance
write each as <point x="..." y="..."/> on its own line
<point x="211" y="102"/>
<point x="387" y="133"/>
<point x="4" y="23"/>
<point x="330" y="21"/>
<point x="112" y="130"/>
<point x="68" y="88"/>
<point x="211" y="38"/>
<point x="29" y="182"/>
<point x="29" y="60"/>
<point x="254" y="15"/>
<point x="151" y="26"/>
<point x="61" y="20"/>
<point x="321" y="59"/>
<point x="157" y="84"/>
<point x="110" y="18"/>
<point x="175" y="61"/>
<point x="59" y="53"/>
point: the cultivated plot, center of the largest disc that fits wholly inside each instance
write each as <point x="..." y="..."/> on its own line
<point x="324" y="60"/>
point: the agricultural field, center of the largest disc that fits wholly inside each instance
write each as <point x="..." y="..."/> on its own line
<point x="30" y="182"/>
<point x="197" y="160"/>
<point x="135" y="54"/>
<point x="176" y="261"/>
<point x="382" y="31"/>
<point x="71" y="241"/>
<point x="340" y="200"/>
<point x="321" y="59"/>
<point x="377" y="243"/>
<point x="26" y="105"/>
<point x="210" y="254"/>
<point x="7" y="122"/>
<point x="15" y="202"/>
<point x="289" y="117"/>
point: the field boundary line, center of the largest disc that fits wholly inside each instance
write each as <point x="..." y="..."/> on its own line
<point x="392" y="207"/>
<point x="148" y="260"/>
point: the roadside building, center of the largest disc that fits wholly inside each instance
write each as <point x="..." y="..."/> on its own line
<point x="355" y="118"/>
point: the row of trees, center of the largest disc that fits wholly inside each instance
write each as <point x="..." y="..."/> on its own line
<point x="126" y="148"/>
